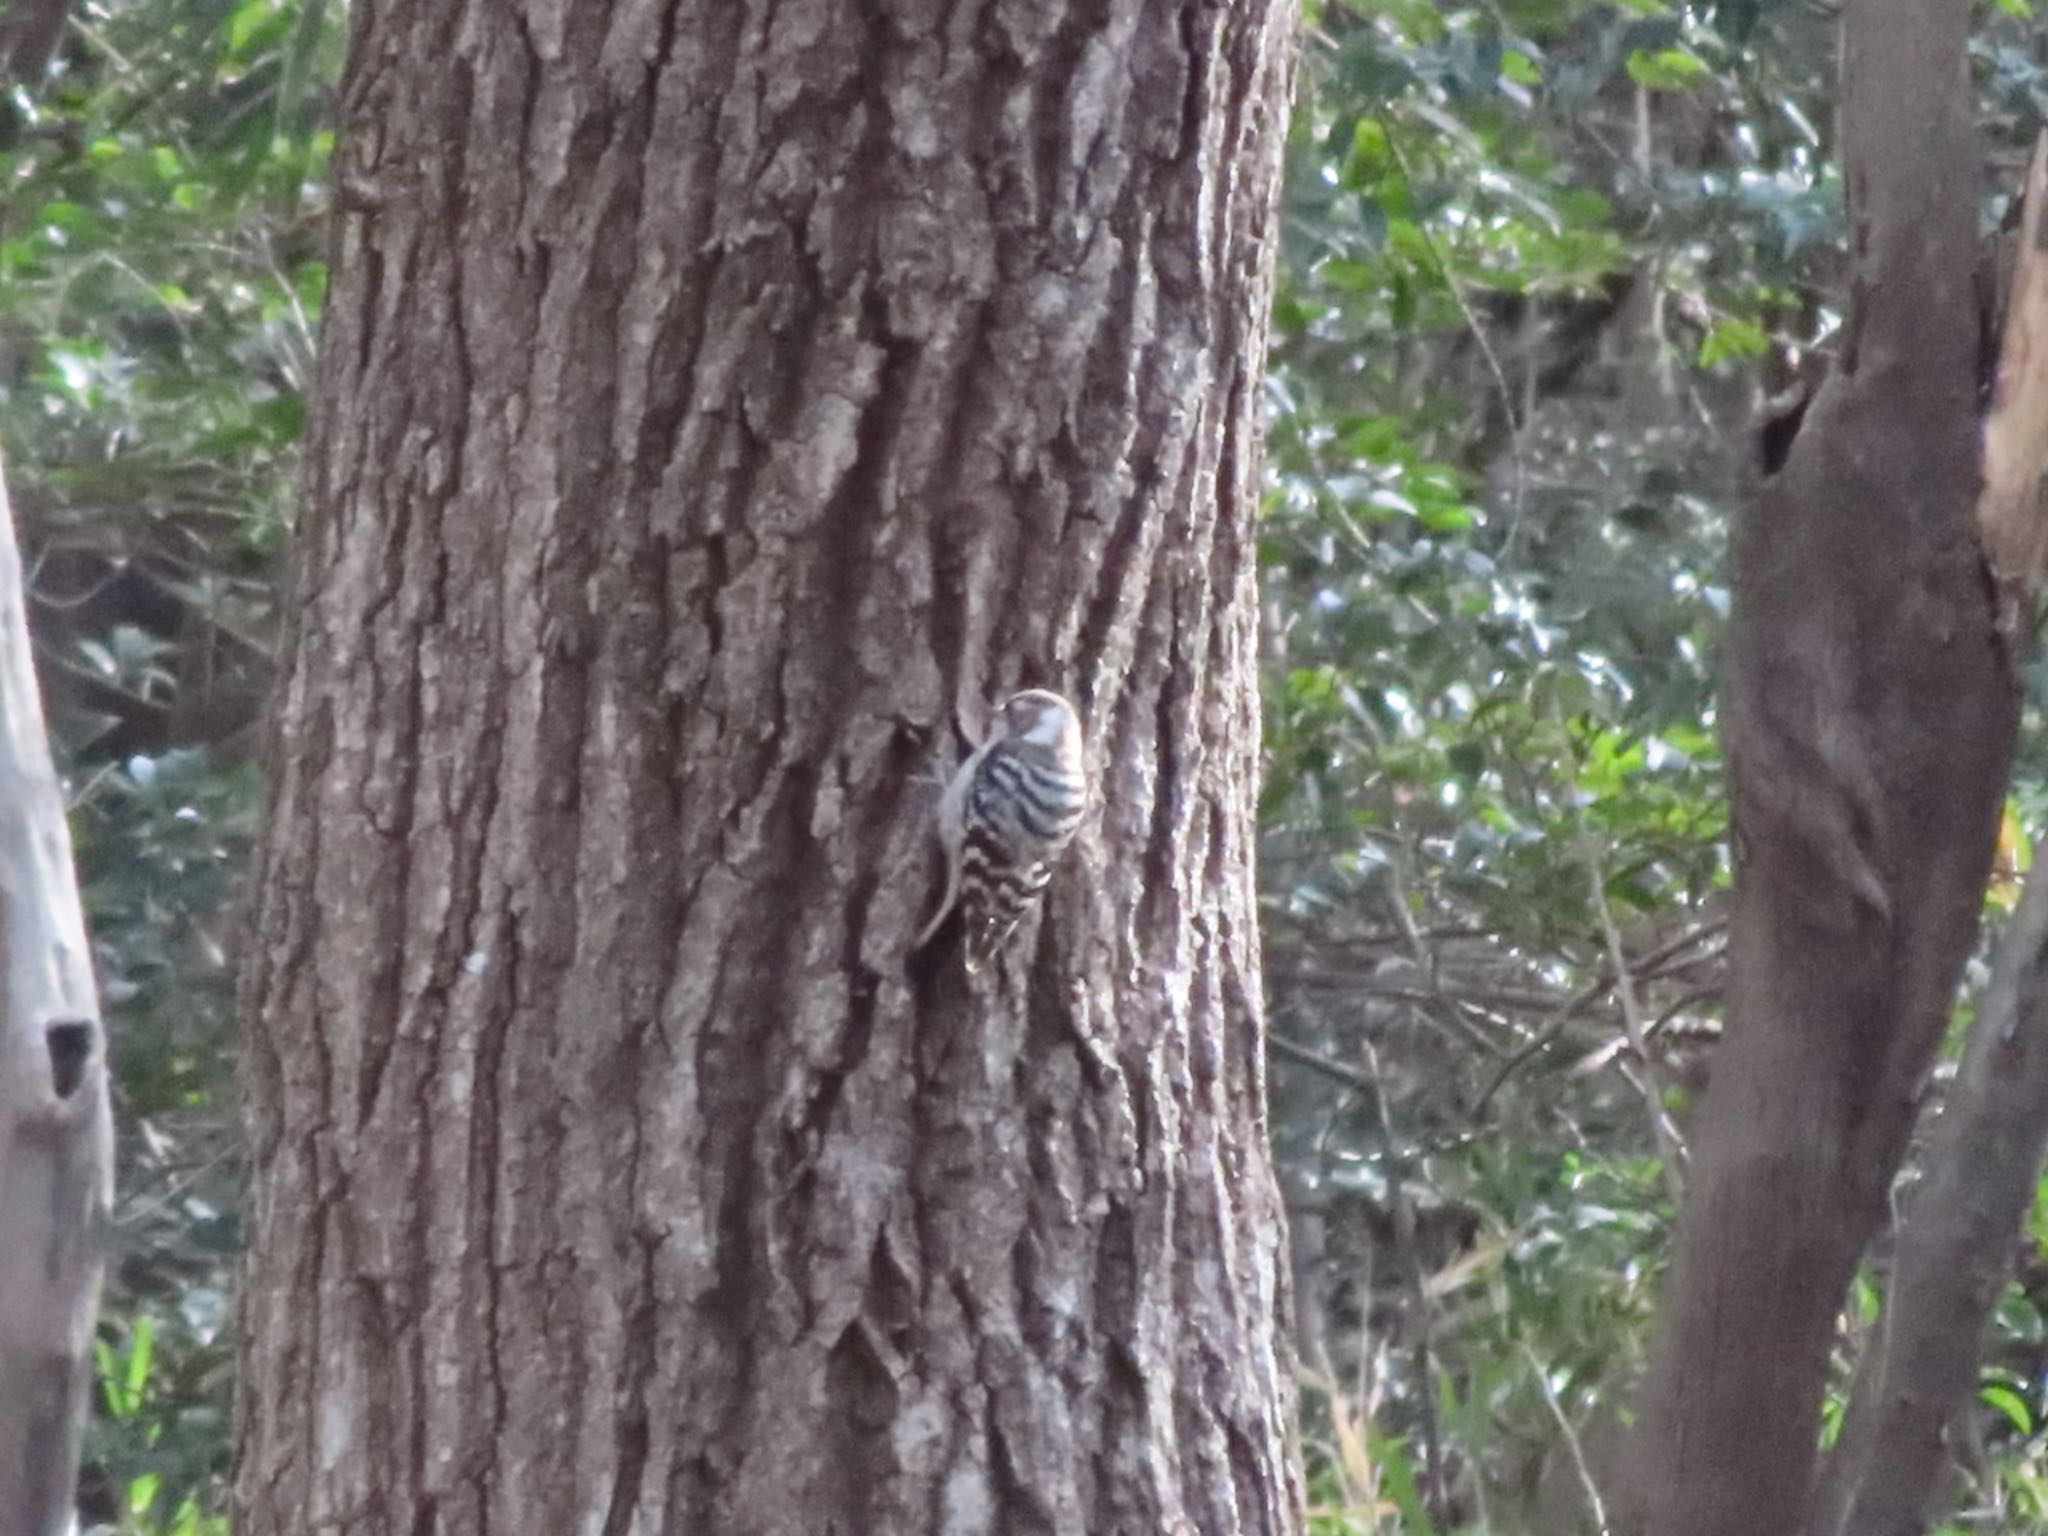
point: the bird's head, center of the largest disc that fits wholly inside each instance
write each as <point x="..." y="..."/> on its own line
<point x="1040" y="717"/>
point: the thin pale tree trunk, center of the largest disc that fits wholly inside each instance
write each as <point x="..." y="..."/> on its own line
<point x="56" y="1130"/>
<point x="722" y="405"/>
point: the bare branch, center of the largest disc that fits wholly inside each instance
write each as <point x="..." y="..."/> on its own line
<point x="1643" y="1075"/>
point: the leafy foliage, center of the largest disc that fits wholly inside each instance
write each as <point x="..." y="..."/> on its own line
<point x="1544" y="261"/>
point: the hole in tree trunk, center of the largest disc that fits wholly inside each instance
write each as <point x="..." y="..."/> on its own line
<point x="1783" y="416"/>
<point x="70" y="1046"/>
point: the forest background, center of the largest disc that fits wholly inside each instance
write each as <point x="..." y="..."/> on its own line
<point x="1543" y="262"/>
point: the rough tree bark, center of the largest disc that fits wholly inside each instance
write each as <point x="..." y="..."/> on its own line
<point x="56" y="1130"/>
<point x="1871" y="710"/>
<point x="719" y="400"/>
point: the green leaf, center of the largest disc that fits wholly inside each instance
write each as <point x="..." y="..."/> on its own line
<point x="141" y="1496"/>
<point x="141" y="1348"/>
<point x="1445" y="519"/>
<point x="2006" y="1401"/>
<point x="1733" y="337"/>
<point x="1372" y="153"/>
<point x="255" y="24"/>
<point x="1517" y="66"/>
<point x="1397" y="1482"/>
<point x="1667" y="69"/>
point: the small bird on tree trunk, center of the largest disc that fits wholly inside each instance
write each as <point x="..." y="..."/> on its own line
<point x="1006" y="817"/>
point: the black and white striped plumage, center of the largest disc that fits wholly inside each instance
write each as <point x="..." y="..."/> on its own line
<point x="1007" y="816"/>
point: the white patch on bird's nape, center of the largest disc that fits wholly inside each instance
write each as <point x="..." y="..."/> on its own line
<point x="1047" y="718"/>
<point x="1049" y="729"/>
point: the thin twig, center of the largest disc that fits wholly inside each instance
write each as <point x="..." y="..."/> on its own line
<point x="1649" y="965"/>
<point x="1518" y="471"/>
<point x="1670" y="1146"/>
<point x="1571" y="1441"/>
<point x="1336" y="1071"/>
<point x="1403" y="1212"/>
<point x="1441" y="1004"/>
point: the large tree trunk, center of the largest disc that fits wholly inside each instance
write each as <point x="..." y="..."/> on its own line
<point x="56" y="1131"/>
<point x="717" y="400"/>
<point x="1953" y="1252"/>
<point x="1871" y="710"/>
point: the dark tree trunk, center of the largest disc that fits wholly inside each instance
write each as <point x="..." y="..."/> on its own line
<point x="1954" y="1254"/>
<point x="718" y="400"/>
<point x="56" y="1130"/>
<point x="1954" y="1250"/>
<point x="1871" y="708"/>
